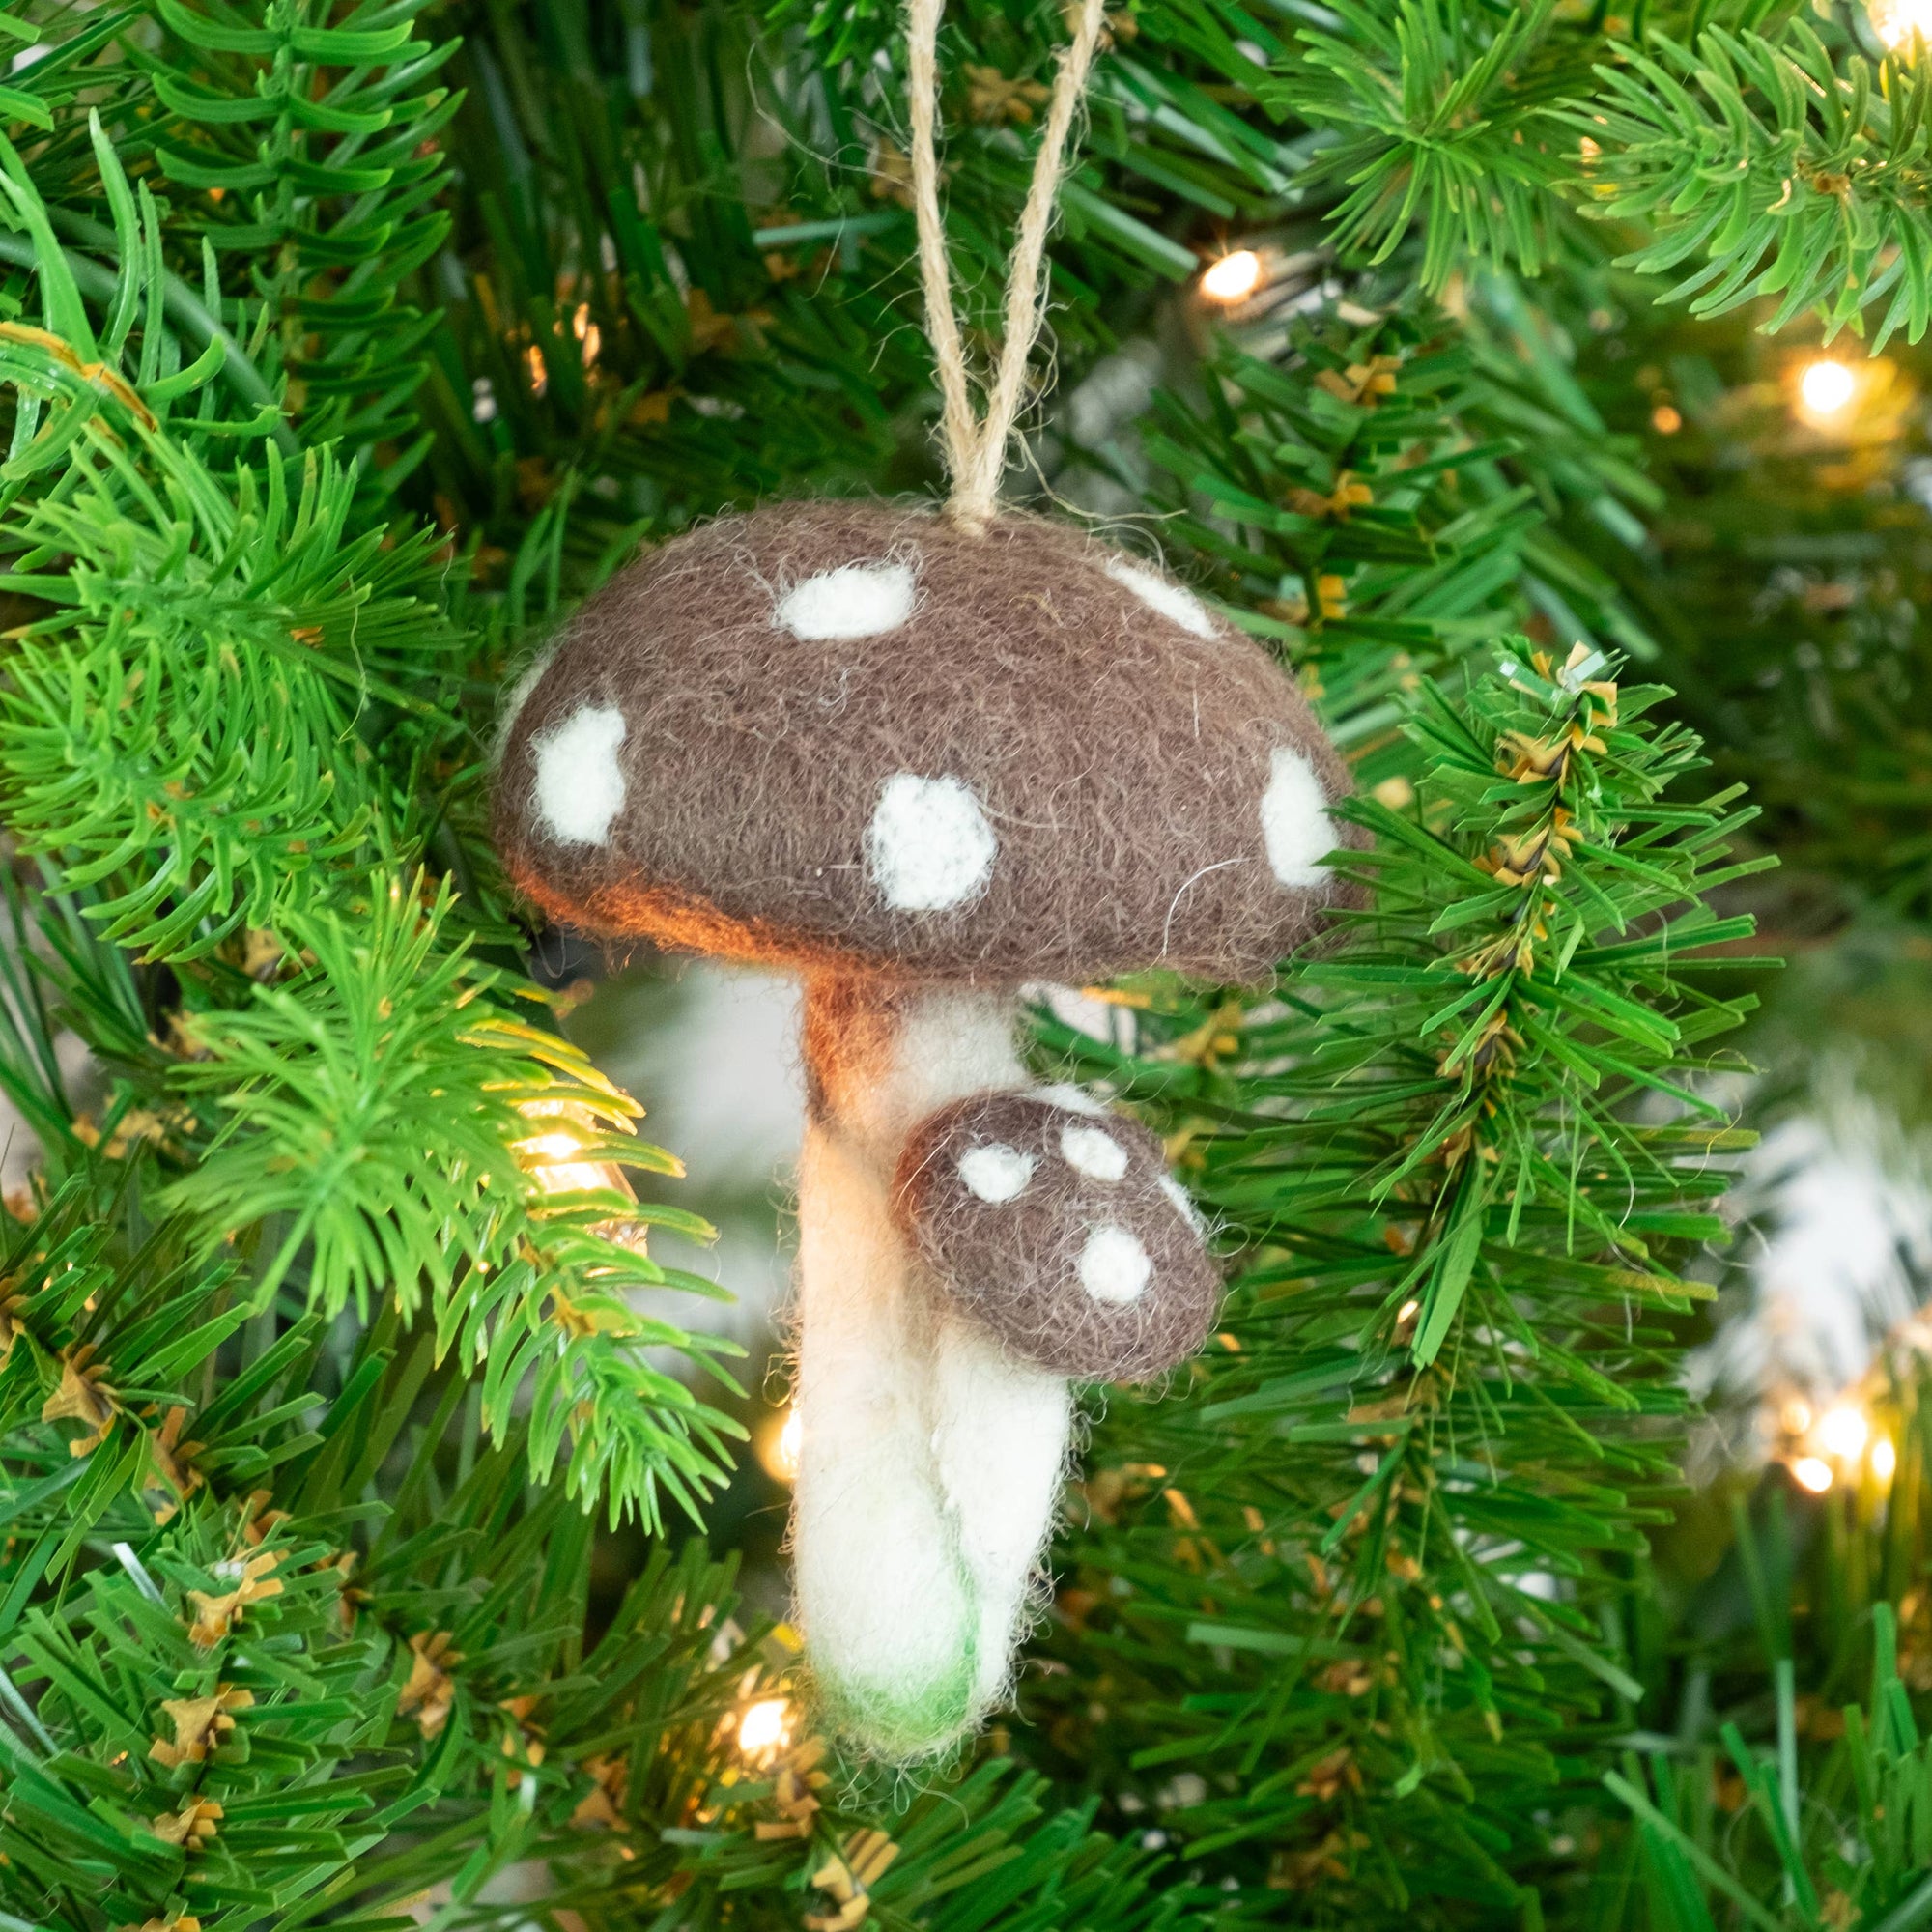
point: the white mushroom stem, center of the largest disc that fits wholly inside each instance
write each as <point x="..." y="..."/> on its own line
<point x="929" y="1461"/>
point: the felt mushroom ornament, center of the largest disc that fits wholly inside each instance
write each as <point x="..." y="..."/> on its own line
<point x="925" y="758"/>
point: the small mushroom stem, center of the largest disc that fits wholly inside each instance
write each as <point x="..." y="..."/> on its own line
<point x="929" y="1461"/>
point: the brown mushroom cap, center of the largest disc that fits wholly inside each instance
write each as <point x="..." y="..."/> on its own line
<point x="862" y="737"/>
<point x="1062" y="1232"/>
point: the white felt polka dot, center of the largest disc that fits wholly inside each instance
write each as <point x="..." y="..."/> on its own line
<point x="857" y="600"/>
<point x="1295" y="822"/>
<point x="1064" y="1094"/>
<point x="1183" y="1202"/>
<point x="1160" y="593"/>
<point x="996" y="1171"/>
<point x="520" y="696"/>
<point x="929" y="845"/>
<point x="1114" y="1266"/>
<point x="580" y="785"/>
<point x="1094" y="1152"/>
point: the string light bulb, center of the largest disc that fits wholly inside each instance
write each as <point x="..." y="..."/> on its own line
<point x="561" y="1159"/>
<point x="1813" y="1473"/>
<point x="1826" y="389"/>
<point x="764" y="1729"/>
<point x="779" y="1450"/>
<point x="1233" y="278"/>
<point x="1883" y="1459"/>
<point x="1844" y="1432"/>
<point x="1898" y="22"/>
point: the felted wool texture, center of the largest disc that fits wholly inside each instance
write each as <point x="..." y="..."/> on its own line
<point x="1055" y="767"/>
<point x="884" y="1595"/>
<point x="1001" y="1429"/>
<point x="930" y="1460"/>
<point x="880" y="1055"/>
<point x="1092" y="1269"/>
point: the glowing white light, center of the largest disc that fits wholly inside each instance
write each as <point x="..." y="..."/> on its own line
<point x="1895" y="21"/>
<point x="1883" y="1459"/>
<point x="555" y="1163"/>
<point x="1844" y="1432"/>
<point x="1812" y="1474"/>
<point x="781" y="1452"/>
<point x="765" y="1728"/>
<point x="559" y="1159"/>
<point x="1233" y="278"/>
<point x="1825" y="388"/>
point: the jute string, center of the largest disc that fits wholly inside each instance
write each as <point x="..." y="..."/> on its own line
<point x="976" y="448"/>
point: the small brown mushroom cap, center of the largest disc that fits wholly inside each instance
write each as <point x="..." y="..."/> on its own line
<point x="862" y="737"/>
<point x="1061" y="1230"/>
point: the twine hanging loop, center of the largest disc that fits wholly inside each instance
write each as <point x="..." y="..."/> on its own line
<point x="976" y="446"/>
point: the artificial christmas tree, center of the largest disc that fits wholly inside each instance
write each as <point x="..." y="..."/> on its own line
<point x="368" y="1480"/>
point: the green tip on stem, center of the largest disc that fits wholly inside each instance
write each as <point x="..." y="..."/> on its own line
<point x="902" y="1723"/>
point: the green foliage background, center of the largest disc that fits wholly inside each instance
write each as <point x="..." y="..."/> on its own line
<point x="354" y="1567"/>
